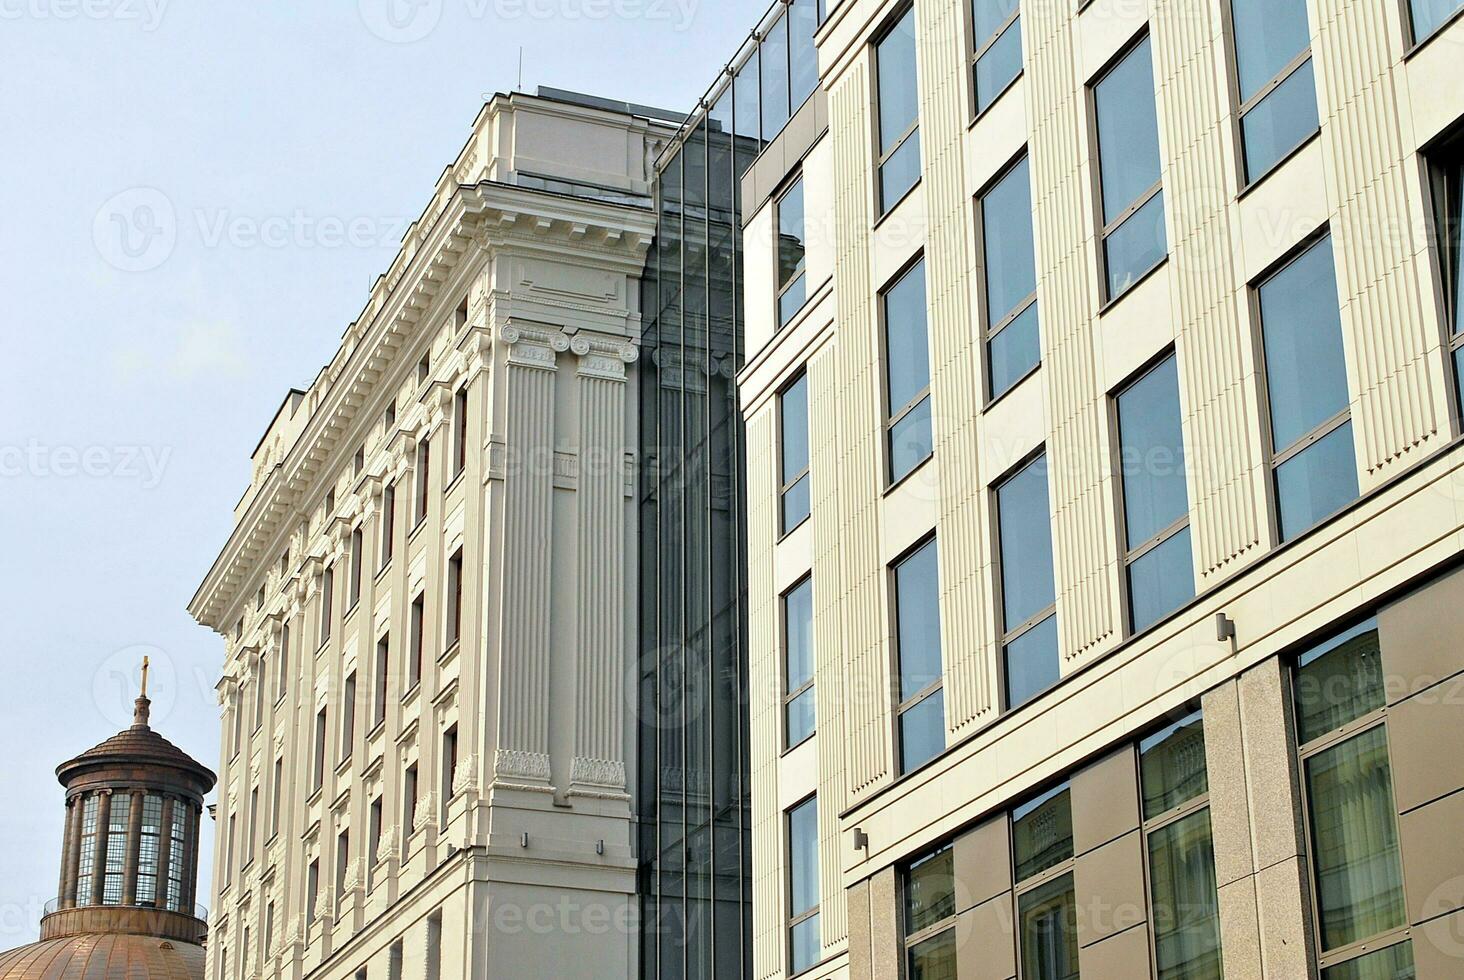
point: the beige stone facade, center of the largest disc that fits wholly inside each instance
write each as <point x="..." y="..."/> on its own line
<point x="429" y="591"/>
<point x="1363" y="194"/>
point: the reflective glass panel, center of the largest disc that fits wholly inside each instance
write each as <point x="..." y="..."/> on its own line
<point x="802" y="23"/>
<point x="1008" y="250"/>
<point x="1042" y="832"/>
<point x="1269" y="34"/>
<point x="917" y="611"/>
<point x="1429" y="15"/>
<point x="907" y="347"/>
<point x="1161" y="580"/>
<point x="898" y="99"/>
<point x="922" y="732"/>
<point x="1151" y="454"/>
<point x="1317" y="482"/>
<point x="930" y="891"/>
<point x="1339" y="682"/>
<point x="1136" y="246"/>
<point x="1128" y="131"/>
<point x="798" y="612"/>
<point x="1393" y="963"/>
<point x="803" y="857"/>
<point x="911" y="441"/>
<point x="1048" y="923"/>
<point x="1172" y="766"/>
<point x="999" y="65"/>
<point x="1014" y="351"/>
<point x="774" y="55"/>
<point x="1031" y="663"/>
<point x="1281" y="121"/>
<point x="934" y="959"/>
<point x="1025" y="528"/>
<point x="900" y="172"/>
<point x="1184" y="899"/>
<point x="1302" y="326"/>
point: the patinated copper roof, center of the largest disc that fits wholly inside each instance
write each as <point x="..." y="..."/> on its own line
<point x="137" y="746"/>
<point x="91" y="957"/>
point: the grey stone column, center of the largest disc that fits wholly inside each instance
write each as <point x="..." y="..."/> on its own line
<point x="99" y="844"/>
<point x="66" y="889"/>
<point x="134" y="849"/>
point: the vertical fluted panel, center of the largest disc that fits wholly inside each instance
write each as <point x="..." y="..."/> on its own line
<point x="828" y="641"/>
<point x="763" y="662"/>
<point x="528" y="593"/>
<point x="1219" y="395"/>
<point x="867" y="679"/>
<point x="599" y="737"/>
<point x="1081" y="507"/>
<point x="966" y="648"/>
<point x="1398" y="402"/>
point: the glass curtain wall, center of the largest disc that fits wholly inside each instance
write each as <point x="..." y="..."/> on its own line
<point x="693" y="802"/>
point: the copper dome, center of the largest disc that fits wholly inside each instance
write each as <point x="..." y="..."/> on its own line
<point x="95" y="957"/>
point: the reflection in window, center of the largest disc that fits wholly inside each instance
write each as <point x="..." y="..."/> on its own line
<point x="1134" y="239"/>
<point x="792" y="260"/>
<point x="930" y="909"/>
<point x="803" y="933"/>
<point x="1278" y="95"/>
<point x="1028" y="593"/>
<point x="1042" y="853"/>
<point x="794" y="465"/>
<point x="1429" y="15"/>
<point x="1446" y="171"/>
<point x="800" y="710"/>
<point x="899" y="115"/>
<point x="907" y="373"/>
<point x="1306" y="386"/>
<point x="775" y="91"/>
<point x="1042" y="833"/>
<point x="998" y="58"/>
<point x="1393" y="963"/>
<point x="918" y="657"/>
<point x="1013" y="345"/>
<point x="1155" y="498"/>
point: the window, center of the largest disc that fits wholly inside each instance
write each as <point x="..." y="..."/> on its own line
<point x="424" y="465"/>
<point x="282" y="666"/>
<point x="388" y="525"/>
<point x="348" y="718"/>
<point x="799" y="706"/>
<point x="375" y="838"/>
<point x="394" y="961"/>
<point x="1306" y="386"/>
<point x="775" y="80"/>
<point x="388" y="421"/>
<point x="454" y="598"/>
<point x="434" y="946"/>
<point x="1160" y="566"/>
<point x="358" y="462"/>
<point x="259" y="599"/>
<point x="409" y="803"/>
<point x="383" y="681"/>
<point x="343" y="860"/>
<point x="86" y="868"/>
<point x="414" y="662"/>
<point x="178" y="834"/>
<point x="424" y="368"/>
<point x="449" y="769"/>
<point x="1352" y="832"/>
<point x="804" y="944"/>
<point x="1028" y="595"/>
<point x="907" y="373"/>
<point x="929" y="899"/>
<point x="1042" y="852"/>
<point x="330" y="503"/>
<point x="149" y="848"/>
<point x="260" y="673"/>
<point x="269" y="917"/>
<point x="327" y="603"/>
<point x="312" y="890"/>
<point x="1446" y="171"/>
<point x="460" y="317"/>
<point x="794" y="472"/>
<point x="1183" y="888"/>
<point x="1008" y="259"/>
<point x="459" y="432"/>
<point x="252" y="826"/>
<point x="918" y="657"/>
<point x="239" y="719"/>
<point x="277" y="794"/>
<point x="1273" y="68"/>
<point x="789" y="217"/>
<point x="229" y="842"/>
<point x="356" y="560"/>
<point x="317" y="779"/>
<point x="1134" y="240"/>
<point x="997" y="29"/>
<point x="1428" y="16"/>
<point x="804" y="16"/>
<point x="899" y="112"/>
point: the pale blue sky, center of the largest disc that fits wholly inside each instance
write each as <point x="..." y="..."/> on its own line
<point x="138" y="381"/>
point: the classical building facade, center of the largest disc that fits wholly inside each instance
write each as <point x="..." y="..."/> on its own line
<point x="429" y="593"/>
<point x="126" y="906"/>
<point x="1104" y="506"/>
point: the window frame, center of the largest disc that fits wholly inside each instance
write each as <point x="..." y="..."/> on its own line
<point x="989" y="331"/>
<point x="794" y="181"/>
<point x="1413" y="41"/>
<point x="1006" y="637"/>
<point x="1243" y="106"/>
<point x="357" y="567"/>
<point x="882" y="208"/>
<point x="901" y="707"/>
<point x="459" y="434"/>
<point x="893" y="418"/>
<point x="453" y="621"/>
<point x="910" y="940"/>
<point x="421" y="499"/>
<point x="381" y="688"/>
<point x="789" y="483"/>
<point x="1066" y="868"/>
<point x="978" y="48"/>
<point x="794" y="920"/>
<point x="789" y="695"/>
<point x="1446" y="216"/>
<point x="388" y="527"/>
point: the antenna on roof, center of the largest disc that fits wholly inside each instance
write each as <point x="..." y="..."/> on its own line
<point x="521" y="70"/>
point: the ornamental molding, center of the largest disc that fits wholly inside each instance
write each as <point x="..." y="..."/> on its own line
<point x="605" y="773"/>
<point x="521" y="764"/>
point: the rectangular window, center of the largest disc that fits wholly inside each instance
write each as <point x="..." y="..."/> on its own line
<point x="1183" y="888"/>
<point x="1306" y="386"/>
<point x="253" y="825"/>
<point x="794" y="466"/>
<point x="357" y="559"/>
<point x="1028" y="593"/>
<point x="374" y="828"/>
<point x="424" y="466"/>
<point x="409" y="802"/>
<point x="388" y="421"/>
<point x="282" y="667"/>
<point x="1273" y="70"/>
<point x="929" y="900"/>
<point x="383" y="681"/>
<point x="1132" y="193"/>
<point x="239" y="719"/>
<point x="228" y="842"/>
<point x="997" y="30"/>
<point x="277" y="795"/>
<point x="449" y="769"/>
<point x="348" y="718"/>
<point x="260" y="673"/>
<point x="460" y="432"/>
<point x="792" y="265"/>
<point x="454" y="599"/>
<point x="918" y="657"/>
<point x="775" y="80"/>
<point x="799" y="706"/>
<point x="388" y="525"/>
<point x="804" y="944"/>
<point x="322" y="728"/>
<point x="1009" y="261"/>
<point x="434" y="946"/>
<point x="1042" y="852"/>
<point x="1352" y="827"/>
<point x="1446" y="173"/>
<point x="804" y="16"/>
<point x="424" y="369"/>
<point x="1159" y="565"/>
<point x="343" y="860"/>
<point x="312" y="890"/>
<point x="899" y="112"/>
<point x="149" y="846"/>
<point x="358" y="462"/>
<point x="1430" y="15"/>
<point x="907" y="373"/>
<point x="418" y="635"/>
<point x="327" y="604"/>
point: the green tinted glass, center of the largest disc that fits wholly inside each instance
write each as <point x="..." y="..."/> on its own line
<point x="1339" y="682"/>
<point x="1047" y="917"/>
<point x="1185" y="903"/>
<point x="1172" y="766"/>
<point x="930" y="891"/>
<point x="1042" y="833"/>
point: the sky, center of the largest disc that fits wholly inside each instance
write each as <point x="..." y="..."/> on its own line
<point x="195" y="197"/>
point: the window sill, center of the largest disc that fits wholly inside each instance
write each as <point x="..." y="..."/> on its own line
<point x="1153" y="270"/>
<point x="381" y="572"/>
<point x="794" y="529"/>
<point x="993" y="402"/>
<point x="451" y="650"/>
<point x="1286" y="158"/>
<point x="416" y="528"/>
<point x="895" y="206"/>
<point x="1424" y="42"/>
<point x="889" y="490"/>
<point x="799" y="744"/>
<point x="996" y="100"/>
<point x="452" y="485"/>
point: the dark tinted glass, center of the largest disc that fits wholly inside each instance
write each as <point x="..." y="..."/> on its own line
<point x="1172" y="766"/>
<point x="774" y="54"/>
<point x="1136" y="246"/>
<point x="1429" y="15"/>
<point x="907" y="347"/>
<point x="1009" y="253"/>
<point x="898" y="100"/>
<point x="1128" y="131"/>
<point x="1459" y="377"/>
<point x="1025" y="526"/>
<point x="998" y="65"/>
<point x="791" y="254"/>
<point x="1031" y="663"/>
<point x="1393" y="963"/>
<point x="802" y="23"/>
<point x="1151" y="454"/>
<point x="922" y="732"/>
<point x="930" y="891"/>
<point x="1042" y="832"/>
<point x="1015" y="351"/>
<point x="1302" y="326"/>
<point x="1048" y="920"/>
<point x="917" y="597"/>
<point x="1161" y="580"/>
<point x="1281" y="121"/>
<point x="1185" y="900"/>
<point x="1339" y="682"/>
<point x="1317" y="482"/>
<point x="934" y="959"/>
<point x="1269" y="34"/>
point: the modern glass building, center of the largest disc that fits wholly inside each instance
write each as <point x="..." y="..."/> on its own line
<point x="695" y="815"/>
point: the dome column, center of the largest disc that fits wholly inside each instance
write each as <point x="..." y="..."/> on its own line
<point x="99" y="869"/>
<point x="134" y="849"/>
<point x="70" y="842"/>
<point x="165" y="853"/>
